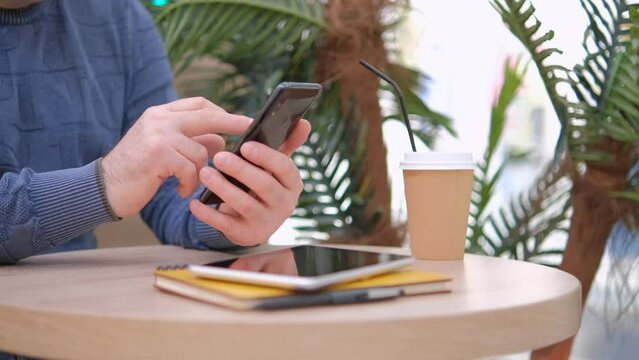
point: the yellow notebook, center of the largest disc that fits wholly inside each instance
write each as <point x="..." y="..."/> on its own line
<point x="246" y="296"/>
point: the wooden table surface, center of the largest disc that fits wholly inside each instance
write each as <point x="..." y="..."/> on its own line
<point x="102" y="304"/>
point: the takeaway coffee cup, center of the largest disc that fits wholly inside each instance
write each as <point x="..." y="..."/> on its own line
<point x="438" y="188"/>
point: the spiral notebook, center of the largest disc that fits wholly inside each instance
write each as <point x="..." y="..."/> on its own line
<point x="179" y="280"/>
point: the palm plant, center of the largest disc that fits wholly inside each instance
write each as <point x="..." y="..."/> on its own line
<point x="520" y="229"/>
<point x="597" y="104"/>
<point x="236" y="51"/>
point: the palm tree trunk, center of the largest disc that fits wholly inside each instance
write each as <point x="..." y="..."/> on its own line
<point x="595" y="212"/>
<point x="592" y="221"/>
<point x="355" y="32"/>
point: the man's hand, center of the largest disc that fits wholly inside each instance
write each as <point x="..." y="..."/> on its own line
<point x="175" y="139"/>
<point x="250" y="218"/>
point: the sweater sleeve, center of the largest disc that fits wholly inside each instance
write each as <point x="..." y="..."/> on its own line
<point x="39" y="211"/>
<point x="169" y="217"/>
<point x="166" y="214"/>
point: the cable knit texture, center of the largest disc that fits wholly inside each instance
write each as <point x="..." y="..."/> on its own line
<point x="74" y="76"/>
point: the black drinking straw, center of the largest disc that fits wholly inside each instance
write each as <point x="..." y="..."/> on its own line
<point x="398" y="93"/>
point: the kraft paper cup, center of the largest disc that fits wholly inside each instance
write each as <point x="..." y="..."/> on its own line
<point x="438" y="187"/>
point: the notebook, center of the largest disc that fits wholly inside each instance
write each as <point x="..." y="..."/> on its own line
<point x="239" y="296"/>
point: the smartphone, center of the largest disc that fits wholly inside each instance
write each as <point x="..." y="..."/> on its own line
<point x="273" y="123"/>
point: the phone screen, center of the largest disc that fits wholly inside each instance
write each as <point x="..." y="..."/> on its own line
<point x="274" y="123"/>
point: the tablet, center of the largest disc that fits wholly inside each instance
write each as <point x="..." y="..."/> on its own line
<point x="304" y="267"/>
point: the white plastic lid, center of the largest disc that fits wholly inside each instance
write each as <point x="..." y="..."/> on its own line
<point x="437" y="161"/>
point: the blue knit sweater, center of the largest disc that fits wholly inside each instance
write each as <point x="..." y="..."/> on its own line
<point x="74" y="76"/>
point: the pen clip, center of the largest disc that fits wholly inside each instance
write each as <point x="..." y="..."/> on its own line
<point x="384" y="293"/>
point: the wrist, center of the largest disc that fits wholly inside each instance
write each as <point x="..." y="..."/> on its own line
<point x="107" y="183"/>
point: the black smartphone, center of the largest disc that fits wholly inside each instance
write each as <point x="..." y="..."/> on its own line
<point x="273" y="123"/>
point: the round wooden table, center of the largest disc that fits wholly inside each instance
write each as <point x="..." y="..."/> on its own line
<point x="102" y="304"/>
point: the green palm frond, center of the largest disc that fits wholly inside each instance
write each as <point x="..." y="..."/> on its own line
<point x="605" y="85"/>
<point x="485" y="178"/>
<point x="521" y="230"/>
<point x="238" y="88"/>
<point x="336" y="193"/>
<point x="425" y="122"/>
<point x="239" y="30"/>
<point x="634" y="196"/>
<point x="217" y="81"/>
<point x="608" y="79"/>
<point x="519" y="16"/>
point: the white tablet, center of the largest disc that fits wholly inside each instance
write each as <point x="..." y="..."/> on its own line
<point x="304" y="267"/>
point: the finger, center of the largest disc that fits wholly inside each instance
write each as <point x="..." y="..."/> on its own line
<point x="254" y="263"/>
<point x="227" y="224"/>
<point x="245" y="204"/>
<point x="212" y="142"/>
<point x="273" y="161"/>
<point x="192" y="150"/>
<point x="225" y="209"/>
<point x="193" y="103"/>
<point x="297" y="138"/>
<point x="184" y="170"/>
<point x="262" y="183"/>
<point x="207" y="121"/>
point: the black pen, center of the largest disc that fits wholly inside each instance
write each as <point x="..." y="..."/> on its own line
<point x="330" y="298"/>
